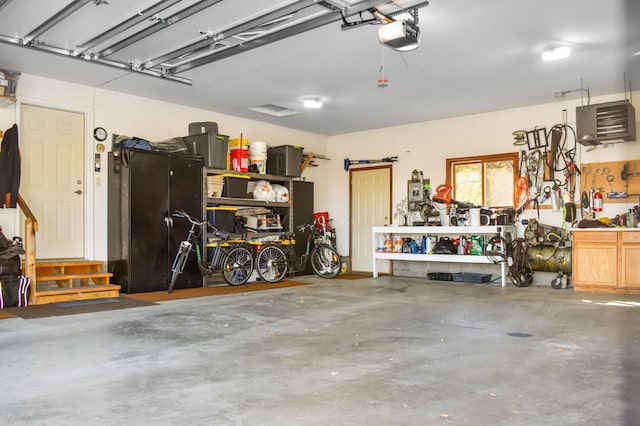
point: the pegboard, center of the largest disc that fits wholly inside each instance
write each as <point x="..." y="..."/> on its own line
<point x="607" y="177"/>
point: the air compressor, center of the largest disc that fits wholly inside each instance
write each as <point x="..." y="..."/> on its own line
<point x="547" y="252"/>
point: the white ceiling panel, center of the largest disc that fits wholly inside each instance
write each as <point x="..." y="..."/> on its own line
<point x="473" y="56"/>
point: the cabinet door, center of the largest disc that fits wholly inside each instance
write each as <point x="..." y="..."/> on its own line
<point x="302" y="210"/>
<point x="630" y="256"/>
<point x="185" y="193"/>
<point x="595" y="265"/>
<point x="148" y="201"/>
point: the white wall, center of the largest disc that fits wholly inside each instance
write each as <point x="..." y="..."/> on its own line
<point x="135" y="116"/>
<point x="425" y="146"/>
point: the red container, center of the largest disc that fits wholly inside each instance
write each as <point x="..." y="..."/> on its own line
<point x="320" y="219"/>
<point x="240" y="160"/>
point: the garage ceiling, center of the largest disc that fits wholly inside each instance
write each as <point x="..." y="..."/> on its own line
<point x="232" y="55"/>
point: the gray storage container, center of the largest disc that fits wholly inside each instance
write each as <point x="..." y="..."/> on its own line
<point x="284" y="160"/>
<point x="211" y="146"/>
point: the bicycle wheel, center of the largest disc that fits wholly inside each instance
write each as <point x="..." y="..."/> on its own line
<point x="272" y="264"/>
<point x="178" y="265"/>
<point x="325" y="261"/>
<point x="237" y="265"/>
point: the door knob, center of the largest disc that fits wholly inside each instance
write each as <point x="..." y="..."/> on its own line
<point x="77" y="191"/>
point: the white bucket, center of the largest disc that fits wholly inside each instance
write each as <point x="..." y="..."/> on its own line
<point x="474" y="217"/>
<point x="258" y="156"/>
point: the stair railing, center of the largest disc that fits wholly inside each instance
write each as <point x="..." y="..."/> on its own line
<point x="29" y="241"/>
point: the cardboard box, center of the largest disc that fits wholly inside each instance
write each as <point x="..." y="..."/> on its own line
<point x="9" y="83"/>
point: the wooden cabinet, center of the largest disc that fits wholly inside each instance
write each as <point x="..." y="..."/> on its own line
<point x="630" y="261"/>
<point x="606" y="260"/>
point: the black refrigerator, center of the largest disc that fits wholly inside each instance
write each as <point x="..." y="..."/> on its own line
<point x="144" y="188"/>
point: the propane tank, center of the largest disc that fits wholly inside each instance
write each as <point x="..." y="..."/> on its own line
<point x="597" y="201"/>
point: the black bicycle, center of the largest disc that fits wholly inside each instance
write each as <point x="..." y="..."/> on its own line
<point x="274" y="260"/>
<point x="231" y="257"/>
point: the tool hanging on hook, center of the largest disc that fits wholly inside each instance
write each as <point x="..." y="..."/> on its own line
<point x="348" y="163"/>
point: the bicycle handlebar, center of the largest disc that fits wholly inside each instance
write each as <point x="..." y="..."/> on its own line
<point x="305" y="226"/>
<point x="184" y="215"/>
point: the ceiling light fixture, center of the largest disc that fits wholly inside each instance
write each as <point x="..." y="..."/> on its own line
<point x="555" y="53"/>
<point x="312" y="103"/>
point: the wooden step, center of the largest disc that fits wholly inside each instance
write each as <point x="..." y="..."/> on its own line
<point x="67" y="280"/>
<point x="77" y="293"/>
<point x="68" y="267"/>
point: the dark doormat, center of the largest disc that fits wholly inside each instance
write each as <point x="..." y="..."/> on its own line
<point x="353" y="276"/>
<point x="188" y="293"/>
<point x="76" y="307"/>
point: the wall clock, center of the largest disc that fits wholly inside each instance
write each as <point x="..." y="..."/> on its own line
<point x="100" y="134"/>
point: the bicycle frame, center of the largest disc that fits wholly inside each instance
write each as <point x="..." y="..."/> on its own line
<point x="274" y="261"/>
<point x="234" y="261"/>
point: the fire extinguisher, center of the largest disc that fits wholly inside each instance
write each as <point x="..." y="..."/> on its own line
<point x="597" y="201"/>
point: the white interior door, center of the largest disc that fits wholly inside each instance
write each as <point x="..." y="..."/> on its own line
<point x="52" y="151"/>
<point x="370" y="206"/>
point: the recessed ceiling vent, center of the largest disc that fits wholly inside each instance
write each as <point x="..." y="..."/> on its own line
<point x="275" y="110"/>
<point x="609" y="122"/>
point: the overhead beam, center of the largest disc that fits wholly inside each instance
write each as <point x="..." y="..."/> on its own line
<point x="13" y="41"/>
<point x="3" y="3"/>
<point x="127" y="24"/>
<point x="230" y="32"/>
<point x="176" y="17"/>
<point x="55" y="19"/>
<point x="332" y="15"/>
<point x="259" y="42"/>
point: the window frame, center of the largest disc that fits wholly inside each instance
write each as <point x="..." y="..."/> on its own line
<point x="514" y="157"/>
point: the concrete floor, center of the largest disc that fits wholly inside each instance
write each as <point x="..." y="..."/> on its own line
<point x="390" y="351"/>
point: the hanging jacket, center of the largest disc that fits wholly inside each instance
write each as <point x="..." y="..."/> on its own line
<point x="9" y="168"/>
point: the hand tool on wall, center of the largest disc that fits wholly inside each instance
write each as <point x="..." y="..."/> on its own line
<point x="443" y="195"/>
<point x="348" y="163"/>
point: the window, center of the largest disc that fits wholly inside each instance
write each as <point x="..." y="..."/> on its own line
<point x="485" y="180"/>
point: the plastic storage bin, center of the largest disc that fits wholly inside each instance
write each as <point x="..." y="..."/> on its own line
<point x="235" y="187"/>
<point x="222" y="218"/>
<point x="471" y="277"/>
<point x="284" y="160"/>
<point x="211" y="146"/>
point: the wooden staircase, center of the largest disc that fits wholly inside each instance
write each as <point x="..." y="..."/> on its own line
<point x="67" y="280"/>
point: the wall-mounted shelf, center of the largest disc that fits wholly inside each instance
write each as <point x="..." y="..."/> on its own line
<point x="501" y="230"/>
<point x="6" y="101"/>
<point x="247" y="202"/>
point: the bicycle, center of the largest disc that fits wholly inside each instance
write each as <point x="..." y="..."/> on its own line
<point x="327" y="232"/>
<point x="231" y="257"/>
<point x="274" y="260"/>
